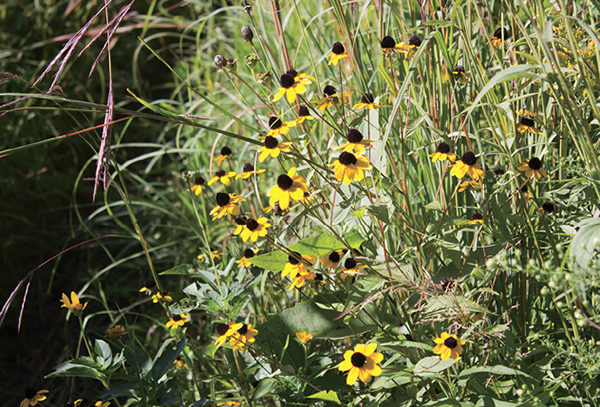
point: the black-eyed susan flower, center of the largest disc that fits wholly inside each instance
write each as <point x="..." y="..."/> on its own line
<point x="526" y="192"/>
<point x="179" y="362"/>
<point x="443" y="153"/>
<point x="467" y="165"/>
<point x="197" y="187"/>
<point x="226" y="205"/>
<point x="289" y="187"/>
<point x="548" y="207"/>
<point x="229" y="403"/>
<point x="331" y="97"/>
<point x="254" y="229"/>
<point x="272" y="148"/>
<point x="101" y="403"/>
<point x="355" y="142"/>
<point x="350" y="167"/>
<point x="32" y="397"/>
<point x="225" y="331"/>
<point x="303" y="115"/>
<point x="292" y="84"/>
<point x="300" y="279"/>
<point x="448" y="346"/>
<point x="350" y="267"/>
<point x="222" y="176"/>
<point x="367" y="101"/>
<point x="148" y="286"/>
<point x="388" y="45"/>
<point x="277" y="127"/>
<point x="162" y="296"/>
<point x="214" y="254"/>
<point x="332" y="259"/>
<point x="469" y="184"/>
<point x="533" y="168"/>
<point x="240" y="222"/>
<point x="411" y="47"/>
<point x="459" y="74"/>
<point x="302" y="78"/>
<point x="116" y="332"/>
<point x="178" y="320"/>
<point x="248" y="254"/>
<point x="304" y="336"/>
<point x="225" y="153"/>
<point x="527" y="124"/>
<point x="361" y="363"/>
<point x="248" y="171"/>
<point x="476" y="218"/>
<point x="243" y="337"/>
<point x="75" y="403"/>
<point x="337" y="53"/>
<point x="298" y="264"/>
<point x="74" y="305"/>
<point x="500" y="35"/>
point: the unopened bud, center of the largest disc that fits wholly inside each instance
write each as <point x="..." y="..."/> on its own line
<point x="247" y="33"/>
<point x="220" y="61"/>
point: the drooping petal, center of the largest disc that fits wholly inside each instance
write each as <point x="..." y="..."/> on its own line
<point x="352" y="376"/>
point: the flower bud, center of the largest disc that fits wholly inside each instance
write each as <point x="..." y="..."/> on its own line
<point x="220" y="61"/>
<point x="247" y="33"/>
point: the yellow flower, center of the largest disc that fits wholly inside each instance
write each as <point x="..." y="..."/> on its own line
<point x="102" y="403"/>
<point x="179" y="363"/>
<point x="388" y="45"/>
<point x="248" y="254"/>
<point x="158" y="296"/>
<point x="533" y="168"/>
<point x="73" y="305"/>
<point x="300" y="279"/>
<point x="350" y="268"/>
<point x="240" y="222"/>
<point x="303" y="115"/>
<point x="298" y="264"/>
<point x="476" y="218"/>
<point x="229" y="403"/>
<point x="148" y="286"/>
<point x="362" y="363"/>
<point x="337" y="53"/>
<point x="443" y="153"/>
<point x="467" y="165"/>
<point x="255" y="228"/>
<point x="469" y="184"/>
<point x="331" y="97"/>
<point x="74" y="403"/>
<point x="214" y="254"/>
<point x="367" y="101"/>
<point x="272" y="148"/>
<point x="304" y="337"/>
<point x="222" y="176"/>
<point x="355" y="142"/>
<point x="448" y="346"/>
<point x="331" y="259"/>
<point x="177" y="320"/>
<point x="459" y="74"/>
<point x="277" y="127"/>
<point x="116" y="332"/>
<point x="292" y="84"/>
<point x="225" y="153"/>
<point x="248" y="171"/>
<point x="226" y="205"/>
<point x="197" y="187"/>
<point x="32" y="397"/>
<point x="288" y="187"/>
<point x="244" y="336"/>
<point x="350" y="167"/>
<point x="526" y="124"/>
<point x="500" y="35"/>
<point x="225" y="331"/>
<point x="409" y="49"/>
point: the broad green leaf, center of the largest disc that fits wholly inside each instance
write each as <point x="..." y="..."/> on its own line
<point x="498" y="370"/>
<point x="165" y="360"/>
<point x="80" y="367"/>
<point x="432" y="365"/>
<point x="265" y="387"/>
<point x="103" y="352"/>
<point x="326" y="395"/>
<point x="586" y="241"/>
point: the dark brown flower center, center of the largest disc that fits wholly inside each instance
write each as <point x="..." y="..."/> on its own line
<point x="329" y="91"/>
<point x="292" y="72"/>
<point x="318" y="277"/>
<point x="220" y="173"/>
<point x="199" y="181"/>
<point x="30" y="393"/>
<point x="443" y="148"/>
<point x="347" y="158"/>
<point x="275" y="122"/>
<point x="226" y="151"/>
<point x="271" y="142"/>
<point x="248" y="253"/>
<point x="354" y="136"/>
<point x="501" y="33"/>
<point x="286" y="81"/>
<point x="388" y="42"/>
<point x="252" y="224"/>
<point x="548" y="206"/>
<point x="334" y="257"/>
<point x="450" y="342"/>
<point x="303" y="111"/>
<point x="367" y="98"/>
<point x="358" y="359"/>
<point x="459" y="69"/>
<point x="535" y="163"/>
<point x="149" y="284"/>
<point x="294" y="258"/>
<point x="248" y="167"/>
<point x="222" y="199"/>
<point x="338" y="48"/>
<point x="243" y="330"/>
<point x="176" y="317"/>
<point x="414" y="40"/>
<point x="284" y="182"/>
<point x="527" y="122"/>
<point x="350" y="263"/>
<point x="476" y="216"/>
<point x="469" y="158"/>
<point x="222" y="328"/>
<point x="240" y="220"/>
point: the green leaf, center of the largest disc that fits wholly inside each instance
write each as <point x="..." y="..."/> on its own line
<point x="498" y="370"/>
<point x="103" y="352"/>
<point x="586" y="241"/>
<point x="181" y="270"/>
<point x="432" y="365"/>
<point x="166" y="359"/>
<point x="265" y="387"/>
<point x="326" y="395"/>
<point x="80" y="367"/>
